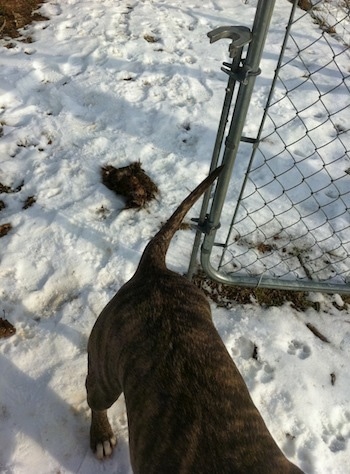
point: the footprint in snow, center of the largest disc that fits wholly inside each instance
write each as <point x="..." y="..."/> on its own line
<point x="336" y="432"/>
<point x="75" y="65"/>
<point x="258" y="370"/>
<point x="295" y="347"/>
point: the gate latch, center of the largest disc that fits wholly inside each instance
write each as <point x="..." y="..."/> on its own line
<point x="240" y="35"/>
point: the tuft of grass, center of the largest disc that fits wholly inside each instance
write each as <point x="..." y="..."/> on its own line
<point x="150" y="38"/>
<point x="308" y="6"/>
<point x="323" y="24"/>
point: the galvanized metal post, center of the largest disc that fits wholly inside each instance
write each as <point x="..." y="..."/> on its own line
<point x="240" y="36"/>
<point x="245" y="74"/>
<point x="248" y="73"/>
<point x="261" y="127"/>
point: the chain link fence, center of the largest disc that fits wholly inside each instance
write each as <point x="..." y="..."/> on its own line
<point x="289" y="194"/>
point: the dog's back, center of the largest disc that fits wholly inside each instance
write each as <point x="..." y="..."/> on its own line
<point x="189" y="411"/>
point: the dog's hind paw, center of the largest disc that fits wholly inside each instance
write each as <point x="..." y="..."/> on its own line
<point x="105" y="449"/>
<point x="102" y="439"/>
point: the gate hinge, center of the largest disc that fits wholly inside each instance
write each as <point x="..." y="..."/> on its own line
<point x="206" y="227"/>
<point x="240" y="74"/>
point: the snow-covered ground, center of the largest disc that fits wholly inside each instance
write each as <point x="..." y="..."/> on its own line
<point x="111" y="82"/>
<point x="293" y="220"/>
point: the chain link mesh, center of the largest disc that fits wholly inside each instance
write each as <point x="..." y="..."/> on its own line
<point x="293" y="220"/>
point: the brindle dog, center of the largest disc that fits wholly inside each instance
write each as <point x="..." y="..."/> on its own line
<point x="188" y="408"/>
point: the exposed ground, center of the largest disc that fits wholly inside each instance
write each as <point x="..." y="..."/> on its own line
<point x="16" y="14"/>
<point x="225" y="296"/>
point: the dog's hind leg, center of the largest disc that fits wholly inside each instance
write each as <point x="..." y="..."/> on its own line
<point x="102" y="438"/>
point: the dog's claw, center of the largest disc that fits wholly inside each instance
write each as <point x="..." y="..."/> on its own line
<point x="113" y="441"/>
<point x="105" y="448"/>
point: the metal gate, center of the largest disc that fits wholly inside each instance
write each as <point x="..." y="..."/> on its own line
<point x="279" y="216"/>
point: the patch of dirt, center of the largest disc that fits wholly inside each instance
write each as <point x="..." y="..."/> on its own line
<point x="150" y="38"/>
<point x="16" y="14"/>
<point x="5" y="229"/>
<point x="131" y="182"/>
<point x="8" y="190"/>
<point x="6" y="329"/>
<point x="226" y="295"/>
<point x="264" y="248"/>
<point x="29" y="202"/>
<point x="305" y="5"/>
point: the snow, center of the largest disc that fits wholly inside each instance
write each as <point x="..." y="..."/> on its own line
<point x="297" y="196"/>
<point x="89" y="91"/>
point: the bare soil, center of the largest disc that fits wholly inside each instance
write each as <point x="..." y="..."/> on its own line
<point x="131" y="182"/>
<point x="227" y="296"/>
<point x="16" y="14"/>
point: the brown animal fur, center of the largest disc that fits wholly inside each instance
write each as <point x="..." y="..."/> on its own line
<point x="188" y="408"/>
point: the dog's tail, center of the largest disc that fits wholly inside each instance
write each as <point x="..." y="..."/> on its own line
<point x="155" y="251"/>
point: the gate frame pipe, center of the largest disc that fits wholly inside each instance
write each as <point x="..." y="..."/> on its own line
<point x="259" y="33"/>
<point x="260" y="29"/>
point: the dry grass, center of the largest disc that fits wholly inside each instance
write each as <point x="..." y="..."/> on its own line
<point x="345" y="4"/>
<point x="323" y="24"/>
<point x="318" y="18"/>
<point x="226" y="296"/>
<point x="16" y="14"/>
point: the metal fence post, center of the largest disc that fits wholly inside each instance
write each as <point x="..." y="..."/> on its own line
<point x="289" y="227"/>
<point x="249" y="71"/>
<point x="240" y="36"/>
